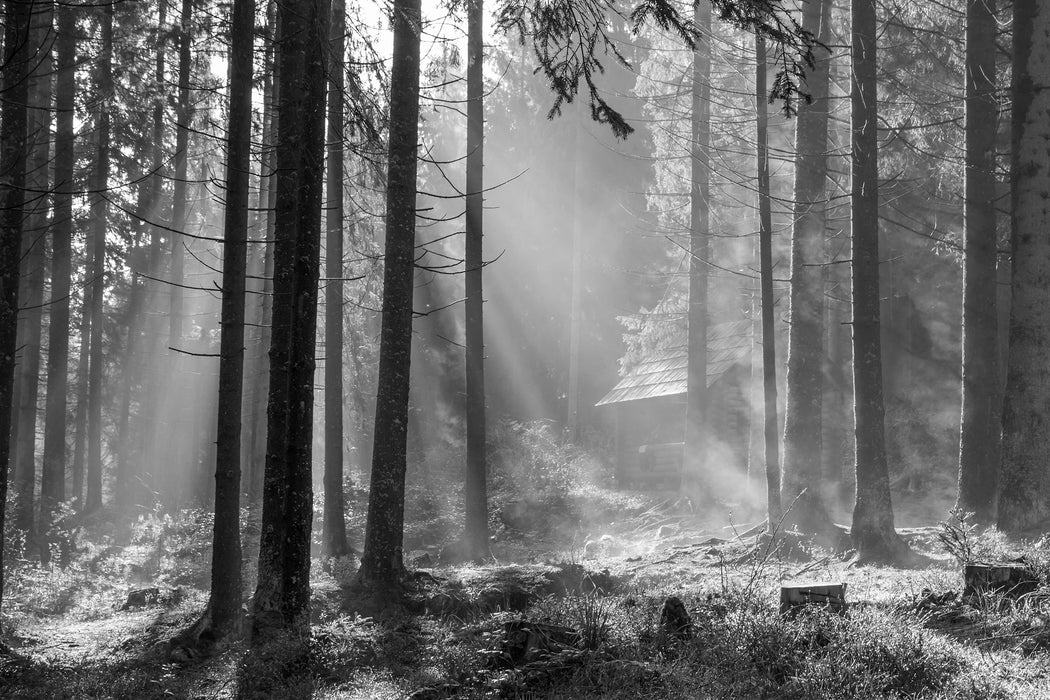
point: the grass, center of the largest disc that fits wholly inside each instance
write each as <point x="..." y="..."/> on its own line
<point x="593" y="618"/>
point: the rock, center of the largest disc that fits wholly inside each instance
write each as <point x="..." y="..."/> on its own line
<point x="151" y="596"/>
<point x="524" y="640"/>
<point x="675" y="621"/>
<point x="666" y="531"/>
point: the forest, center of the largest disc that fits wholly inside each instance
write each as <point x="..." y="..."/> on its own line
<point x="529" y="349"/>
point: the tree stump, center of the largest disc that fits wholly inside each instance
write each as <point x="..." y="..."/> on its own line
<point x="1013" y="580"/>
<point x="797" y="595"/>
<point x="675" y="620"/>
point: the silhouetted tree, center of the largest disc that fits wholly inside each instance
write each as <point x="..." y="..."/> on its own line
<point x="699" y="247"/>
<point x="1024" y="499"/>
<point x="100" y="224"/>
<point x="282" y="594"/>
<point x="53" y="473"/>
<point x="14" y="93"/>
<point x="805" y="371"/>
<point x="981" y="429"/>
<point x="476" y="493"/>
<point x="872" y="533"/>
<point x="382" y="563"/>
<point x="774" y="508"/>
<point x="333" y="536"/>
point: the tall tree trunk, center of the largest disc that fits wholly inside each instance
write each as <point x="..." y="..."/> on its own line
<point x="872" y="533"/>
<point x="282" y="595"/>
<point x="774" y="508"/>
<point x="1024" y="499"/>
<point x="34" y="262"/>
<point x="981" y="430"/>
<point x="226" y="539"/>
<point x="100" y="221"/>
<point x="476" y="532"/>
<point x="572" y="402"/>
<point x="382" y="563"/>
<point x="53" y="476"/>
<point x="13" y="115"/>
<point x="81" y="418"/>
<point x="699" y="251"/>
<point x="803" y="488"/>
<point x="334" y="542"/>
<point x="149" y="429"/>
<point x="268" y="194"/>
<point x="180" y="204"/>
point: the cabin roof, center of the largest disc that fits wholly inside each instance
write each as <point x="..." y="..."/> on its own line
<point x="664" y="372"/>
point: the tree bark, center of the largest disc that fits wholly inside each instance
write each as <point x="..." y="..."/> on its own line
<point x="1024" y="499"/>
<point x="34" y="262"/>
<point x="803" y="488"/>
<point x="382" y="563"/>
<point x="53" y="476"/>
<point x="699" y="250"/>
<point x="282" y="595"/>
<point x="99" y="217"/>
<point x="981" y="429"/>
<point x="13" y="116"/>
<point x="872" y="533"/>
<point x="225" y="604"/>
<point x="334" y="542"/>
<point x="184" y="115"/>
<point x="774" y="507"/>
<point x="476" y="493"/>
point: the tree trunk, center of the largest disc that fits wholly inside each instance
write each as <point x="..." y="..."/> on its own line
<point x="225" y="604"/>
<point x="334" y="542"/>
<point x="981" y="430"/>
<point x="282" y="595"/>
<point x="699" y="250"/>
<point x="1024" y="499"/>
<point x="149" y="429"/>
<point x="13" y="116"/>
<point x="53" y="476"/>
<point x="34" y="262"/>
<point x="382" y="563"/>
<point x="803" y="488"/>
<point x="774" y="507"/>
<point x="476" y="493"/>
<point x="81" y="418"/>
<point x="99" y="217"/>
<point x="872" y="533"/>
<point x="184" y="116"/>
<point x="572" y="398"/>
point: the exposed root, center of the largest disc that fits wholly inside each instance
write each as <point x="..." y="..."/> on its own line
<point x="200" y="640"/>
<point x="886" y="549"/>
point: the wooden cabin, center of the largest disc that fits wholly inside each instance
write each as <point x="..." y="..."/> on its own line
<point x="648" y="409"/>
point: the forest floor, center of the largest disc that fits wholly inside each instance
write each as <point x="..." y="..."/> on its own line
<point x="549" y="617"/>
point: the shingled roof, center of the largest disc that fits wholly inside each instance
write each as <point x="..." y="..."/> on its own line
<point x="664" y="373"/>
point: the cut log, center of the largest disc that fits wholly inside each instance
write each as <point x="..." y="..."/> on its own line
<point x="1011" y="580"/>
<point x="796" y="595"/>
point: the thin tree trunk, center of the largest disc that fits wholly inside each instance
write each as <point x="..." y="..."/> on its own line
<point x="53" y="477"/>
<point x="774" y="507"/>
<point x="99" y="216"/>
<point x="476" y="493"/>
<point x="81" y="418"/>
<point x="803" y="488"/>
<point x="184" y="114"/>
<point x="282" y="595"/>
<point x="872" y="533"/>
<point x="382" y="563"/>
<point x="13" y="116"/>
<point x="1024" y="498"/>
<point x="572" y="403"/>
<point x="981" y="429"/>
<point x="334" y="542"/>
<point x="699" y="250"/>
<point x="225" y="601"/>
<point x="149" y="428"/>
<point x="34" y="263"/>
